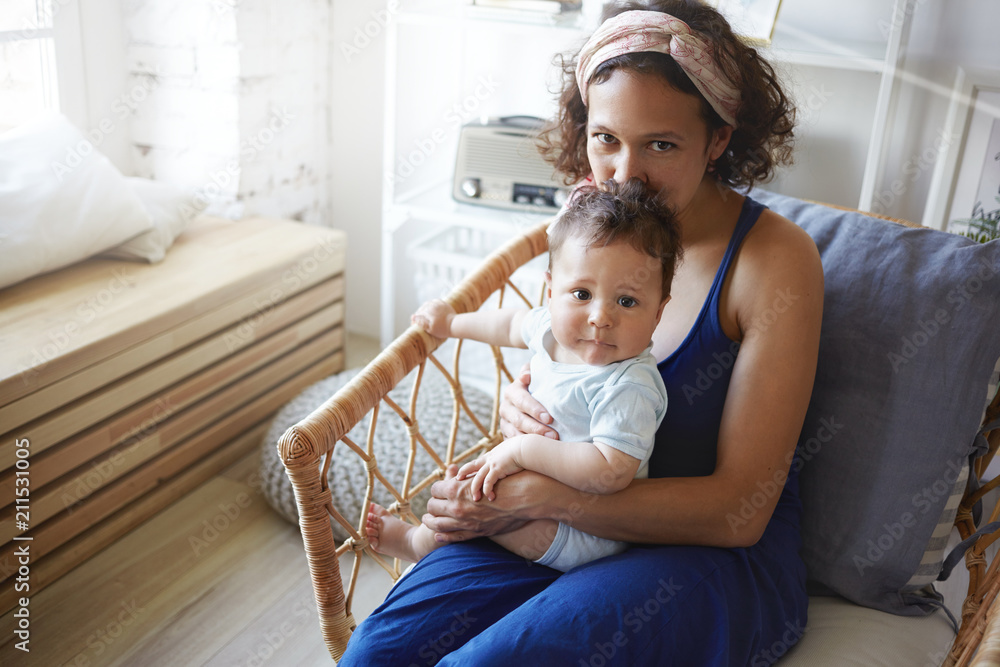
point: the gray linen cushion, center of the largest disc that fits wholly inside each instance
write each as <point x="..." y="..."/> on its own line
<point x="908" y="344"/>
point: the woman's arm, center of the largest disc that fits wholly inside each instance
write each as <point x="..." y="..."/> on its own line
<point x="586" y="466"/>
<point x="776" y="296"/>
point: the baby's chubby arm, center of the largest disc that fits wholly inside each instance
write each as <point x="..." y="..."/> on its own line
<point x="592" y="467"/>
<point x="495" y="327"/>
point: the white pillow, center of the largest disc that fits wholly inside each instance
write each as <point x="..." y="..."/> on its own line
<point x="61" y="201"/>
<point x="170" y="207"/>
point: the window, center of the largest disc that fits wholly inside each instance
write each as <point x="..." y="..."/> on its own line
<point x="34" y="35"/>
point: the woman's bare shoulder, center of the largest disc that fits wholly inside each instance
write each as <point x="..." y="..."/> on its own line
<point x="777" y="258"/>
<point x="777" y="245"/>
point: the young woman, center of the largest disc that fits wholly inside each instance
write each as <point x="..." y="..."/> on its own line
<point x="663" y="93"/>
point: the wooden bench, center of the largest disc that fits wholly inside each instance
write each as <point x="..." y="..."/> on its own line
<point x="127" y="384"/>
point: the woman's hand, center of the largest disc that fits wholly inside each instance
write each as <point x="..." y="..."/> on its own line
<point x="455" y="517"/>
<point x="520" y="413"/>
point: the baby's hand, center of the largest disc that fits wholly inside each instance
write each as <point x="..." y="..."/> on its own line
<point x="499" y="462"/>
<point x="434" y="317"/>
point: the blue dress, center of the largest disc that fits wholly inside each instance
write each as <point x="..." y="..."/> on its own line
<point x="475" y="603"/>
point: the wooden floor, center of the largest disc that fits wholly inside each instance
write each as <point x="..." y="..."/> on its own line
<point x="218" y="578"/>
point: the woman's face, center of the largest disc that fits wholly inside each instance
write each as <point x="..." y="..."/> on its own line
<point x="638" y="126"/>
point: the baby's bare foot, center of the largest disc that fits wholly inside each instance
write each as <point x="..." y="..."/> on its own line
<point x="394" y="537"/>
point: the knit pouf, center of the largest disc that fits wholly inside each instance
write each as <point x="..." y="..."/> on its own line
<point x="347" y="475"/>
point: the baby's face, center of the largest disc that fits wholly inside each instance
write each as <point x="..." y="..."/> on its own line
<point x="605" y="301"/>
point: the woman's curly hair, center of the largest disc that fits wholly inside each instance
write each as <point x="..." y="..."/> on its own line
<point x="762" y="138"/>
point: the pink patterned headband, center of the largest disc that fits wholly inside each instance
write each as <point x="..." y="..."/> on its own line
<point x="639" y="31"/>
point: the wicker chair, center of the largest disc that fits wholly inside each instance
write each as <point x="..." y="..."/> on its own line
<point x="306" y="450"/>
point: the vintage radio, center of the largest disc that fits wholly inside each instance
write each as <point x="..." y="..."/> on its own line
<point x="499" y="165"/>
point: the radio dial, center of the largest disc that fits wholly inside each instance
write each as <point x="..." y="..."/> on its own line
<point x="470" y="188"/>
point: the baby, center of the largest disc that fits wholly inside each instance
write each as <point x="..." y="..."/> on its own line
<point x="611" y="261"/>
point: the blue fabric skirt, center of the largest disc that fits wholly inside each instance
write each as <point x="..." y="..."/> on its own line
<point x="477" y="604"/>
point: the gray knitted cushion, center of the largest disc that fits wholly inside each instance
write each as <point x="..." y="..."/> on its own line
<point x="347" y="475"/>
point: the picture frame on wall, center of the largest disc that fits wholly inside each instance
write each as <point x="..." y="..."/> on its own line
<point x="965" y="185"/>
<point x="753" y="20"/>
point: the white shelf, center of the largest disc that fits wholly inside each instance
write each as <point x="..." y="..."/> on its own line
<point x="799" y="47"/>
<point x="434" y="203"/>
<point x="789" y="45"/>
<point x="417" y="12"/>
<point x="411" y="213"/>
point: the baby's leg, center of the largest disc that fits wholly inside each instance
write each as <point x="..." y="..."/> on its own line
<point x="531" y="540"/>
<point x="397" y="538"/>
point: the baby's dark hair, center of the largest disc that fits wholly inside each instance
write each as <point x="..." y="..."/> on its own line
<point x="762" y="138"/>
<point x="621" y="212"/>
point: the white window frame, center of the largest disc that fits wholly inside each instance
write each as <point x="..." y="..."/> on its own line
<point x="70" y="62"/>
<point x="68" y="69"/>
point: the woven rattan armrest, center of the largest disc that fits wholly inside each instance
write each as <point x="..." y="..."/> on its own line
<point x="311" y="442"/>
<point x="307" y="447"/>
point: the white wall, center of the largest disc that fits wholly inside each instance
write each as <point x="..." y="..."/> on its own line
<point x="945" y="35"/>
<point x="833" y="135"/>
<point x="102" y="43"/>
<point x="233" y="101"/>
<point x="356" y="80"/>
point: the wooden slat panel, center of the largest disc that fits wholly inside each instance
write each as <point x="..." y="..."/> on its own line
<point x="139" y="419"/>
<point x="87" y="381"/>
<point x="50" y="535"/>
<point x="56" y="324"/>
<point x="102" y="470"/>
<point x="71" y="554"/>
<point x="50" y="429"/>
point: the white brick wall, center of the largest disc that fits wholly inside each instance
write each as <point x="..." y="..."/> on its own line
<point x="240" y="102"/>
